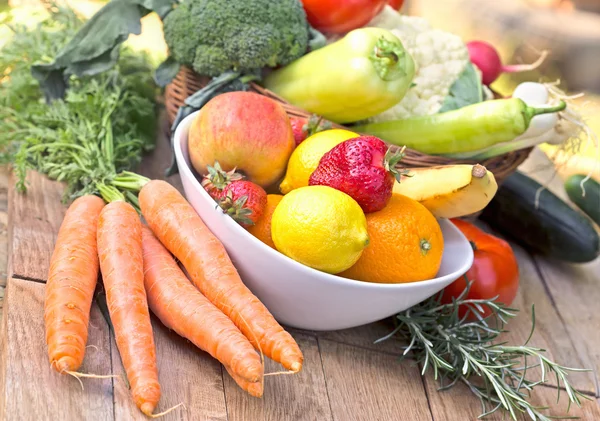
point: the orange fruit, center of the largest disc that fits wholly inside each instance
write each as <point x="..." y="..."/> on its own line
<point x="262" y="228"/>
<point x="406" y="244"/>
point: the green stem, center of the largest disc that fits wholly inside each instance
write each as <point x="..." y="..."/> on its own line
<point x="388" y="58"/>
<point x="531" y="112"/>
<point x="130" y="181"/>
<point x="133" y="199"/>
<point x="55" y="145"/>
<point x="109" y="193"/>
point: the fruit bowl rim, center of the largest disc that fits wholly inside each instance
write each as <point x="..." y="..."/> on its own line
<point x="186" y="170"/>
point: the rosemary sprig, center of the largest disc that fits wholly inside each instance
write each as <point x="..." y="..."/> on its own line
<point x="462" y="347"/>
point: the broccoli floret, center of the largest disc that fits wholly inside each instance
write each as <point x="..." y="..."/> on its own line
<point x="214" y="36"/>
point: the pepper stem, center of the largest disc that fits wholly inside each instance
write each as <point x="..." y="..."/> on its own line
<point x="531" y="112"/>
<point x="388" y="58"/>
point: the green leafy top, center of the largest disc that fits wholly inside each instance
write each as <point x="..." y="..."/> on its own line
<point x="100" y="129"/>
<point x="466" y="90"/>
<point x="95" y="47"/>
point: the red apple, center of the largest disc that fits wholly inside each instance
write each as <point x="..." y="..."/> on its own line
<point x="242" y="130"/>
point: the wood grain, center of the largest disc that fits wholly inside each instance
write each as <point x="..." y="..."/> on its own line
<point x="35" y="219"/>
<point x="365" y="337"/>
<point x="551" y="333"/>
<point x="156" y="163"/>
<point x="186" y="374"/>
<point x="32" y="390"/>
<point x="3" y="358"/>
<point x="4" y="180"/>
<point x="575" y="293"/>
<point x="459" y="403"/>
<point x="367" y="385"/>
<point x="299" y="397"/>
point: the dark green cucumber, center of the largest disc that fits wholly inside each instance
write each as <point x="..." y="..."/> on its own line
<point x="552" y="229"/>
<point x="590" y="203"/>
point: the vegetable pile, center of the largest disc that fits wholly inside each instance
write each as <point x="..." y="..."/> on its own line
<point x="347" y="206"/>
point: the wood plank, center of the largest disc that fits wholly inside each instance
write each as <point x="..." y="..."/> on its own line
<point x="551" y="332"/>
<point x="156" y="163"/>
<point x="34" y="391"/>
<point x="572" y="290"/>
<point x="297" y="397"/>
<point x="459" y="403"/>
<point x="575" y="293"/>
<point x="365" y="337"/>
<point x="4" y="180"/>
<point x="186" y="374"/>
<point x="3" y="359"/>
<point x="35" y="219"/>
<point x="367" y="385"/>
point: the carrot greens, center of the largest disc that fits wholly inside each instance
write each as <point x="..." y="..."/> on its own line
<point x="101" y="128"/>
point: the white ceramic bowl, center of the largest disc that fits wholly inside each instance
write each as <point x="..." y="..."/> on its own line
<point x="303" y="297"/>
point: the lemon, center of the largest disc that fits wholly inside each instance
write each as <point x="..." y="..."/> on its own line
<point x="305" y="158"/>
<point x="320" y="227"/>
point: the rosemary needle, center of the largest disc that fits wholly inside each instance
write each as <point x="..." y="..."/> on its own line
<point x="465" y="349"/>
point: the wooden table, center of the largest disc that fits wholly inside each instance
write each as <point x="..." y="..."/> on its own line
<point x="346" y="377"/>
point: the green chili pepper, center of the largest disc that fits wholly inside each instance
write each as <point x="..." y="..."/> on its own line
<point x="357" y="77"/>
<point x="467" y="129"/>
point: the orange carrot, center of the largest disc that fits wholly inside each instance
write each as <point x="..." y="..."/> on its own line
<point x="182" y="308"/>
<point x="121" y="263"/>
<point x="71" y="282"/>
<point x="180" y="229"/>
<point x="253" y="388"/>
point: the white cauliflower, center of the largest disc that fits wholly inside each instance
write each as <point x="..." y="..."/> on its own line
<point x="440" y="58"/>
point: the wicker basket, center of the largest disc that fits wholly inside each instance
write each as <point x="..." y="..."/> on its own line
<point x="188" y="82"/>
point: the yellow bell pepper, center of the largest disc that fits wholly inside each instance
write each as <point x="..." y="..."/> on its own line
<point x="352" y="79"/>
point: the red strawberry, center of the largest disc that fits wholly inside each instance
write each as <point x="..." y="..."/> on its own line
<point x="244" y="201"/>
<point x="304" y="128"/>
<point x="217" y="179"/>
<point x="363" y="168"/>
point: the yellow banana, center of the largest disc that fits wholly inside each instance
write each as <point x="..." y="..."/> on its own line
<point x="450" y="191"/>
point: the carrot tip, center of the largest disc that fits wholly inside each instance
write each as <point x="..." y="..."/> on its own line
<point x="296" y="367"/>
<point x="64" y="364"/>
<point x="147" y="408"/>
<point x="255" y="390"/>
<point x="151" y="415"/>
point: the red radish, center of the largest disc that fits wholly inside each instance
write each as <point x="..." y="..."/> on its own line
<point x="244" y="201"/>
<point x="363" y="168"/>
<point x="486" y="58"/>
<point x="396" y="4"/>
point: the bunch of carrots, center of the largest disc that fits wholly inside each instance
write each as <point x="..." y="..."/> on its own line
<point x="217" y="313"/>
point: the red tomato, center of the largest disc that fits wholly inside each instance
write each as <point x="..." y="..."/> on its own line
<point x="495" y="271"/>
<point x="341" y="16"/>
<point x="396" y="4"/>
